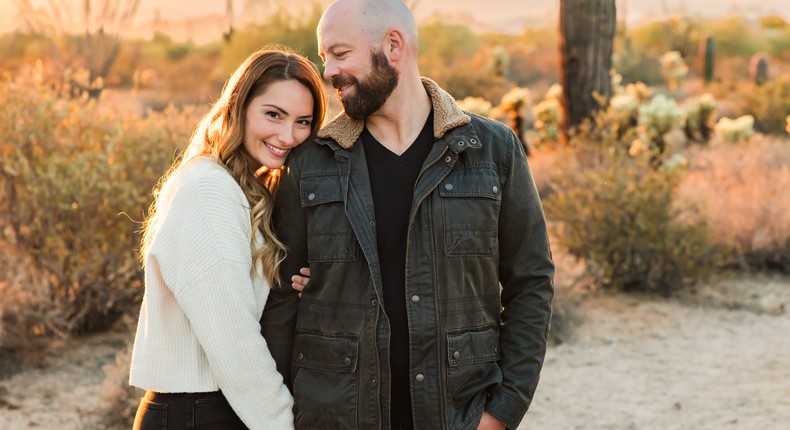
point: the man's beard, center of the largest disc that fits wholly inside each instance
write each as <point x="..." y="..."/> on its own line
<point x="370" y="93"/>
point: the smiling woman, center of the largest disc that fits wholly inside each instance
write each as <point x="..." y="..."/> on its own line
<point x="278" y="120"/>
<point x="210" y="256"/>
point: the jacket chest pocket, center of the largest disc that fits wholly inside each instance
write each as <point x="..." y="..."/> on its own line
<point x="470" y="200"/>
<point x="330" y="237"/>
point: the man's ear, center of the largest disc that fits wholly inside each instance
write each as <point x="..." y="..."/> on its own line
<point x="395" y="44"/>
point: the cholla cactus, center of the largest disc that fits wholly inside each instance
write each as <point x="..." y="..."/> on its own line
<point x="661" y="115"/>
<point x="501" y="61"/>
<point x="554" y="92"/>
<point x="674" y="69"/>
<point x="515" y="107"/>
<point x="548" y="117"/>
<point x="476" y="105"/>
<point x="518" y="99"/>
<point x="701" y="112"/>
<point x="639" y="91"/>
<point x="735" y="130"/>
<point x="623" y="108"/>
<point x="658" y="117"/>
<point x="624" y="103"/>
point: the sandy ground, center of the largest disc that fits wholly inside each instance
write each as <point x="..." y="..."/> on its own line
<point x="718" y="359"/>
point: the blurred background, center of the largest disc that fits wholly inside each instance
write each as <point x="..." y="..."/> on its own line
<point x="657" y="132"/>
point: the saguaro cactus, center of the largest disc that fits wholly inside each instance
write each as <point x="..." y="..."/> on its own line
<point x="758" y="69"/>
<point x="708" y="57"/>
<point x="587" y="30"/>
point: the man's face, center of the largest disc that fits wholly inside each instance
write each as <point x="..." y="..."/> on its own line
<point x="362" y="97"/>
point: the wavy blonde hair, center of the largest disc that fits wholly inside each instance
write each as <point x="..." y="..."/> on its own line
<point x="220" y="135"/>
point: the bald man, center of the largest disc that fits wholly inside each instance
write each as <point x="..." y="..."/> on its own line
<point x="430" y="287"/>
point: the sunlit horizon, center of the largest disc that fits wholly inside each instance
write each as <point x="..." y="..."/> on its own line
<point x="202" y="20"/>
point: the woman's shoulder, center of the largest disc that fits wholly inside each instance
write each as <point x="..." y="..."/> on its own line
<point x="204" y="176"/>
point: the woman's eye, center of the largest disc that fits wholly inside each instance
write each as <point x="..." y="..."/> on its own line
<point x="305" y="122"/>
<point x="273" y="114"/>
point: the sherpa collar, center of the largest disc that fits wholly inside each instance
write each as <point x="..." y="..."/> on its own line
<point x="446" y="116"/>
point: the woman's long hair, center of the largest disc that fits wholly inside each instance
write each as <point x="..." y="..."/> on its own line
<point x="220" y="135"/>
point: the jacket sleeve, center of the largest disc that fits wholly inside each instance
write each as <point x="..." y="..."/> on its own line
<point x="279" y="317"/>
<point x="526" y="274"/>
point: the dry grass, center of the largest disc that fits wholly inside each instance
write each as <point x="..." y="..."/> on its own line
<point x="742" y="192"/>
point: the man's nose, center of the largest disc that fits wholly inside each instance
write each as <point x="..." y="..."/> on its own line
<point x="330" y="70"/>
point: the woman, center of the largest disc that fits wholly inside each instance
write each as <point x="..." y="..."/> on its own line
<point x="210" y="256"/>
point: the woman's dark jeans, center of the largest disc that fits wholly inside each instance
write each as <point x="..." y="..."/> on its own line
<point x="186" y="411"/>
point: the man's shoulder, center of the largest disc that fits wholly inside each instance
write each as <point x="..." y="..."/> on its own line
<point x="490" y="127"/>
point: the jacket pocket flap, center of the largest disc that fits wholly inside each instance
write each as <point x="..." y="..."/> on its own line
<point x="470" y="346"/>
<point x="320" y="189"/>
<point x="332" y="353"/>
<point x="472" y="183"/>
<point x="322" y="248"/>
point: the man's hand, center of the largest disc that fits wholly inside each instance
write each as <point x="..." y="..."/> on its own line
<point x="488" y="422"/>
<point x="299" y="282"/>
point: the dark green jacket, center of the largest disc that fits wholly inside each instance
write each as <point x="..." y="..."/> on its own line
<point x="478" y="280"/>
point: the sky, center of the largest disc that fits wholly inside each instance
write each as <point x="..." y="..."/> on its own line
<point x="509" y="16"/>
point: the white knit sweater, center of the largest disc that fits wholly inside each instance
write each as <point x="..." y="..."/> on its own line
<point x="199" y="326"/>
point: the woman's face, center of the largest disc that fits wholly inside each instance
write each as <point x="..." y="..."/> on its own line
<point x="277" y="121"/>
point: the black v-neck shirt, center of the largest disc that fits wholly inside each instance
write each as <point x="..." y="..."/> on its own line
<point x="392" y="181"/>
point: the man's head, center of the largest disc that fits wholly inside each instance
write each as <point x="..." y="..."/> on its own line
<point x="367" y="47"/>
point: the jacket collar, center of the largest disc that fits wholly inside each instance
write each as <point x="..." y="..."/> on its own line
<point x="446" y="116"/>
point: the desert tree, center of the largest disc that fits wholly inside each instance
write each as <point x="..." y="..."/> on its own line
<point x="84" y="35"/>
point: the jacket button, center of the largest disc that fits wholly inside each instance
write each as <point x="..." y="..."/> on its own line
<point x="448" y="187"/>
<point x="461" y="143"/>
<point x="448" y="159"/>
<point x="456" y="355"/>
<point x="300" y="356"/>
<point x="495" y="189"/>
<point x="374" y="302"/>
<point x="415" y="299"/>
<point x="473" y="141"/>
<point x="347" y="361"/>
<point x="419" y="377"/>
<point x="311" y="196"/>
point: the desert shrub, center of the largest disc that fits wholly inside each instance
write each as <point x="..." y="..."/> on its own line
<point x="69" y="171"/>
<point x="616" y="212"/>
<point x="769" y="103"/>
<point x="741" y="191"/>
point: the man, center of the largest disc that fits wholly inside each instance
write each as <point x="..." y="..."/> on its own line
<point x="430" y="287"/>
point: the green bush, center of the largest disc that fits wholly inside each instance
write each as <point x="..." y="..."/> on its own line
<point x="71" y="177"/>
<point x="615" y="211"/>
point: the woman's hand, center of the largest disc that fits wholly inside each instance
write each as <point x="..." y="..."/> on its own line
<point x="299" y="282"/>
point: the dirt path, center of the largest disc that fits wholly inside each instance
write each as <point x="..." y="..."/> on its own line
<point x="65" y="395"/>
<point x="716" y="360"/>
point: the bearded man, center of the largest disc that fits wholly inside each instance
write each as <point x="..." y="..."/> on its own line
<point x="430" y="272"/>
